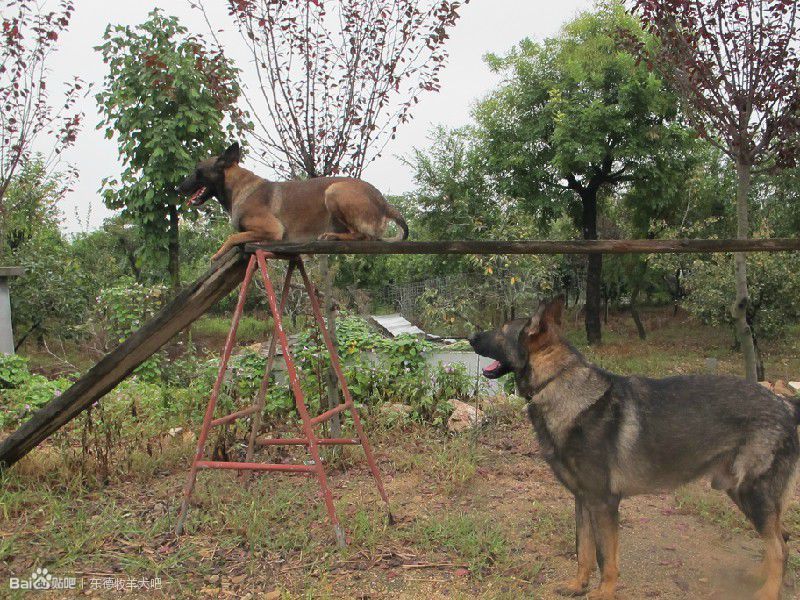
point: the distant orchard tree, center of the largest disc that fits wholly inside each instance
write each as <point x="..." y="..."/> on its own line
<point x="170" y="100"/>
<point x="338" y="77"/>
<point x="577" y="119"/>
<point x="29" y="35"/>
<point x="736" y="64"/>
<point x="31" y="205"/>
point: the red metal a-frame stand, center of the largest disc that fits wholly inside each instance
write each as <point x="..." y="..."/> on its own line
<point x="309" y="439"/>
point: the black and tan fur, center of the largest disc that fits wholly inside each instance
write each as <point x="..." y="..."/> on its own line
<point x="330" y="208"/>
<point x="607" y="437"/>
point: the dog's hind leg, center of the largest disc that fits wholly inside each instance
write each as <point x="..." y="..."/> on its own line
<point x="775" y="555"/>
<point x="356" y="213"/>
<point x="586" y="551"/>
<point x="345" y="236"/>
<point x="605" y="525"/>
<point x="762" y="504"/>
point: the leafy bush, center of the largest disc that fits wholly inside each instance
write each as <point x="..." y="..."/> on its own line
<point x="124" y="308"/>
<point x="136" y="417"/>
<point x="21" y="392"/>
<point x="13" y="370"/>
<point x="378" y="370"/>
<point x="773" y="285"/>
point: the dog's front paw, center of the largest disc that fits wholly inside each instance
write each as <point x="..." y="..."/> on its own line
<point x="328" y="236"/>
<point x="601" y="593"/>
<point x="768" y="593"/>
<point x="572" y="587"/>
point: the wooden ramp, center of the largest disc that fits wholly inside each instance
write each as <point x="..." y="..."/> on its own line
<point x="186" y="307"/>
<point x="396" y="324"/>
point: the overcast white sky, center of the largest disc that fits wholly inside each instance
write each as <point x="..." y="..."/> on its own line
<point x="485" y="26"/>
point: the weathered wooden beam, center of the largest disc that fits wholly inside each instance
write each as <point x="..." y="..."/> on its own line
<point x="187" y="306"/>
<point x="530" y="247"/>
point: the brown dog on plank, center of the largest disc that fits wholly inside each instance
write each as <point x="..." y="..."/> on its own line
<point x="327" y="208"/>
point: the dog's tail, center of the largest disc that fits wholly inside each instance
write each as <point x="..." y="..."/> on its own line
<point x="394" y="214"/>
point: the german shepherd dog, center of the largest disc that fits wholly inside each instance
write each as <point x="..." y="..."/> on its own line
<point x="328" y="208"/>
<point x="606" y="437"/>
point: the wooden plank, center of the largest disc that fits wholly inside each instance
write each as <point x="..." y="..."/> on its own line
<point x="187" y="306"/>
<point x="530" y="247"/>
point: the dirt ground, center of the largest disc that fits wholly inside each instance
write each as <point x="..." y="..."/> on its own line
<point x="477" y="516"/>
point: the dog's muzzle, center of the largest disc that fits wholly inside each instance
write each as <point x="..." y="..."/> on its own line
<point x="496" y="368"/>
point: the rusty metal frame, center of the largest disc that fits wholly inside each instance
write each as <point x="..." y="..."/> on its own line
<point x="258" y="260"/>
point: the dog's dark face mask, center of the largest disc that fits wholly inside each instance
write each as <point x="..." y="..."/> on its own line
<point x="512" y="344"/>
<point x="503" y="345"/>
<point x="208" y="179"/>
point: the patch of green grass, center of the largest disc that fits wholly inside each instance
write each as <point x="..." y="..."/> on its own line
<point x="553" y="522"/>
<point x="269" y="515"/>
<point x="652" y="363"/>
<point x="476" y="540"/>
<point x="368" y="527"/>
<point x="450" y="464"/>
<point x="251" y="329"/>
<point x="713" y="508"/>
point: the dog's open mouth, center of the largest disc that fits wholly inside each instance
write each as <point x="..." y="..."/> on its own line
<point x="495" y="370"/>
<point x="196" y="198"/>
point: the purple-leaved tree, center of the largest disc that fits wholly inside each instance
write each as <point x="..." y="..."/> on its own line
<point x="735" y="62"/>
<point x="29" y="33"/>
<point x="337" y="78"/>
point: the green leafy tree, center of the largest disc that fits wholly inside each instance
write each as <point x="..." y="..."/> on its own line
<point x="30" y="206"/>
<point x="456" y="200"/>
<point x="577" y="119"/>
<point x="171" y="100"/>
<point x="51" y="296"/>
<point x="54" y="295"/>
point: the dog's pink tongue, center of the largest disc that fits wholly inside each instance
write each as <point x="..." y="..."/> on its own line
<point x="491" y="368"/>
<point x="195" y="196"/>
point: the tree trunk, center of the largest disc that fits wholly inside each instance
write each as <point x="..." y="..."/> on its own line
<point x="760" y="373"/>
<point x="131" y="256"/>
<point x="330" y="316"/>
<point x="174" y="249"/>
<point x="25" y="335"/>
<point x="740" y="306"/>
<point x="594" y="269"/>
<point x="635" y="313"/>
<point x="676" y="298"/>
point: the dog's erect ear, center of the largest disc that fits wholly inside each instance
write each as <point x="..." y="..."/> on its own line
<point x="536" y="324"/>
<point x="547" y="316"/>
<point x="231" y="156"/>
<point x="552" y="311"/>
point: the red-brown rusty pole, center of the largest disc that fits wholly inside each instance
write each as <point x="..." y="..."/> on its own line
<point x="212" y="403"/>
<point x="308" y="429"/>
<point x="262" y="391"/>
<point x="348" y="399"/>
